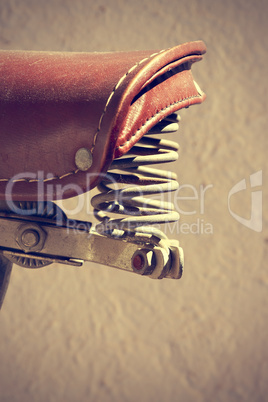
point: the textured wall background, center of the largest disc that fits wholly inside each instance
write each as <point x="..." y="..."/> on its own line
<point x="97" y="334"/>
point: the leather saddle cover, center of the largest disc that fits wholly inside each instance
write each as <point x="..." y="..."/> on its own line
<point x="54" y="103"/>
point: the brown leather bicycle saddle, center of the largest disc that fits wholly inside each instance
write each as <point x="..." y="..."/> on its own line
<point x="57" y="110"/>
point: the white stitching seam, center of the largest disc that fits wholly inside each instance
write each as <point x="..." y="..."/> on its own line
<point x="113" y="92"/>
<point x="150" y="118"/>
<point x="98" y="129"/>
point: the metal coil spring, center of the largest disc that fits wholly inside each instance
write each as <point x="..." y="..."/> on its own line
<point x="129" y="180"/>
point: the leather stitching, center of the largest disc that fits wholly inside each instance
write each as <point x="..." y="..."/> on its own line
<point x="98" y="129"/>
<point x="150" y="118"/>
<point x="113" y="92"/>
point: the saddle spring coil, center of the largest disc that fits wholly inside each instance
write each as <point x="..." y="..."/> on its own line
<point x="129" y="180"/>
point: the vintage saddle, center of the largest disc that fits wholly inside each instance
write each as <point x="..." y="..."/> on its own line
<point x="54" y="104"/>
<point x="66" y="119"/>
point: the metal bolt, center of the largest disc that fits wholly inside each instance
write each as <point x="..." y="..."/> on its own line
<point x="142" y="261"/>
<point x="138" y="261"/>
<point x="31" y="237"/>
